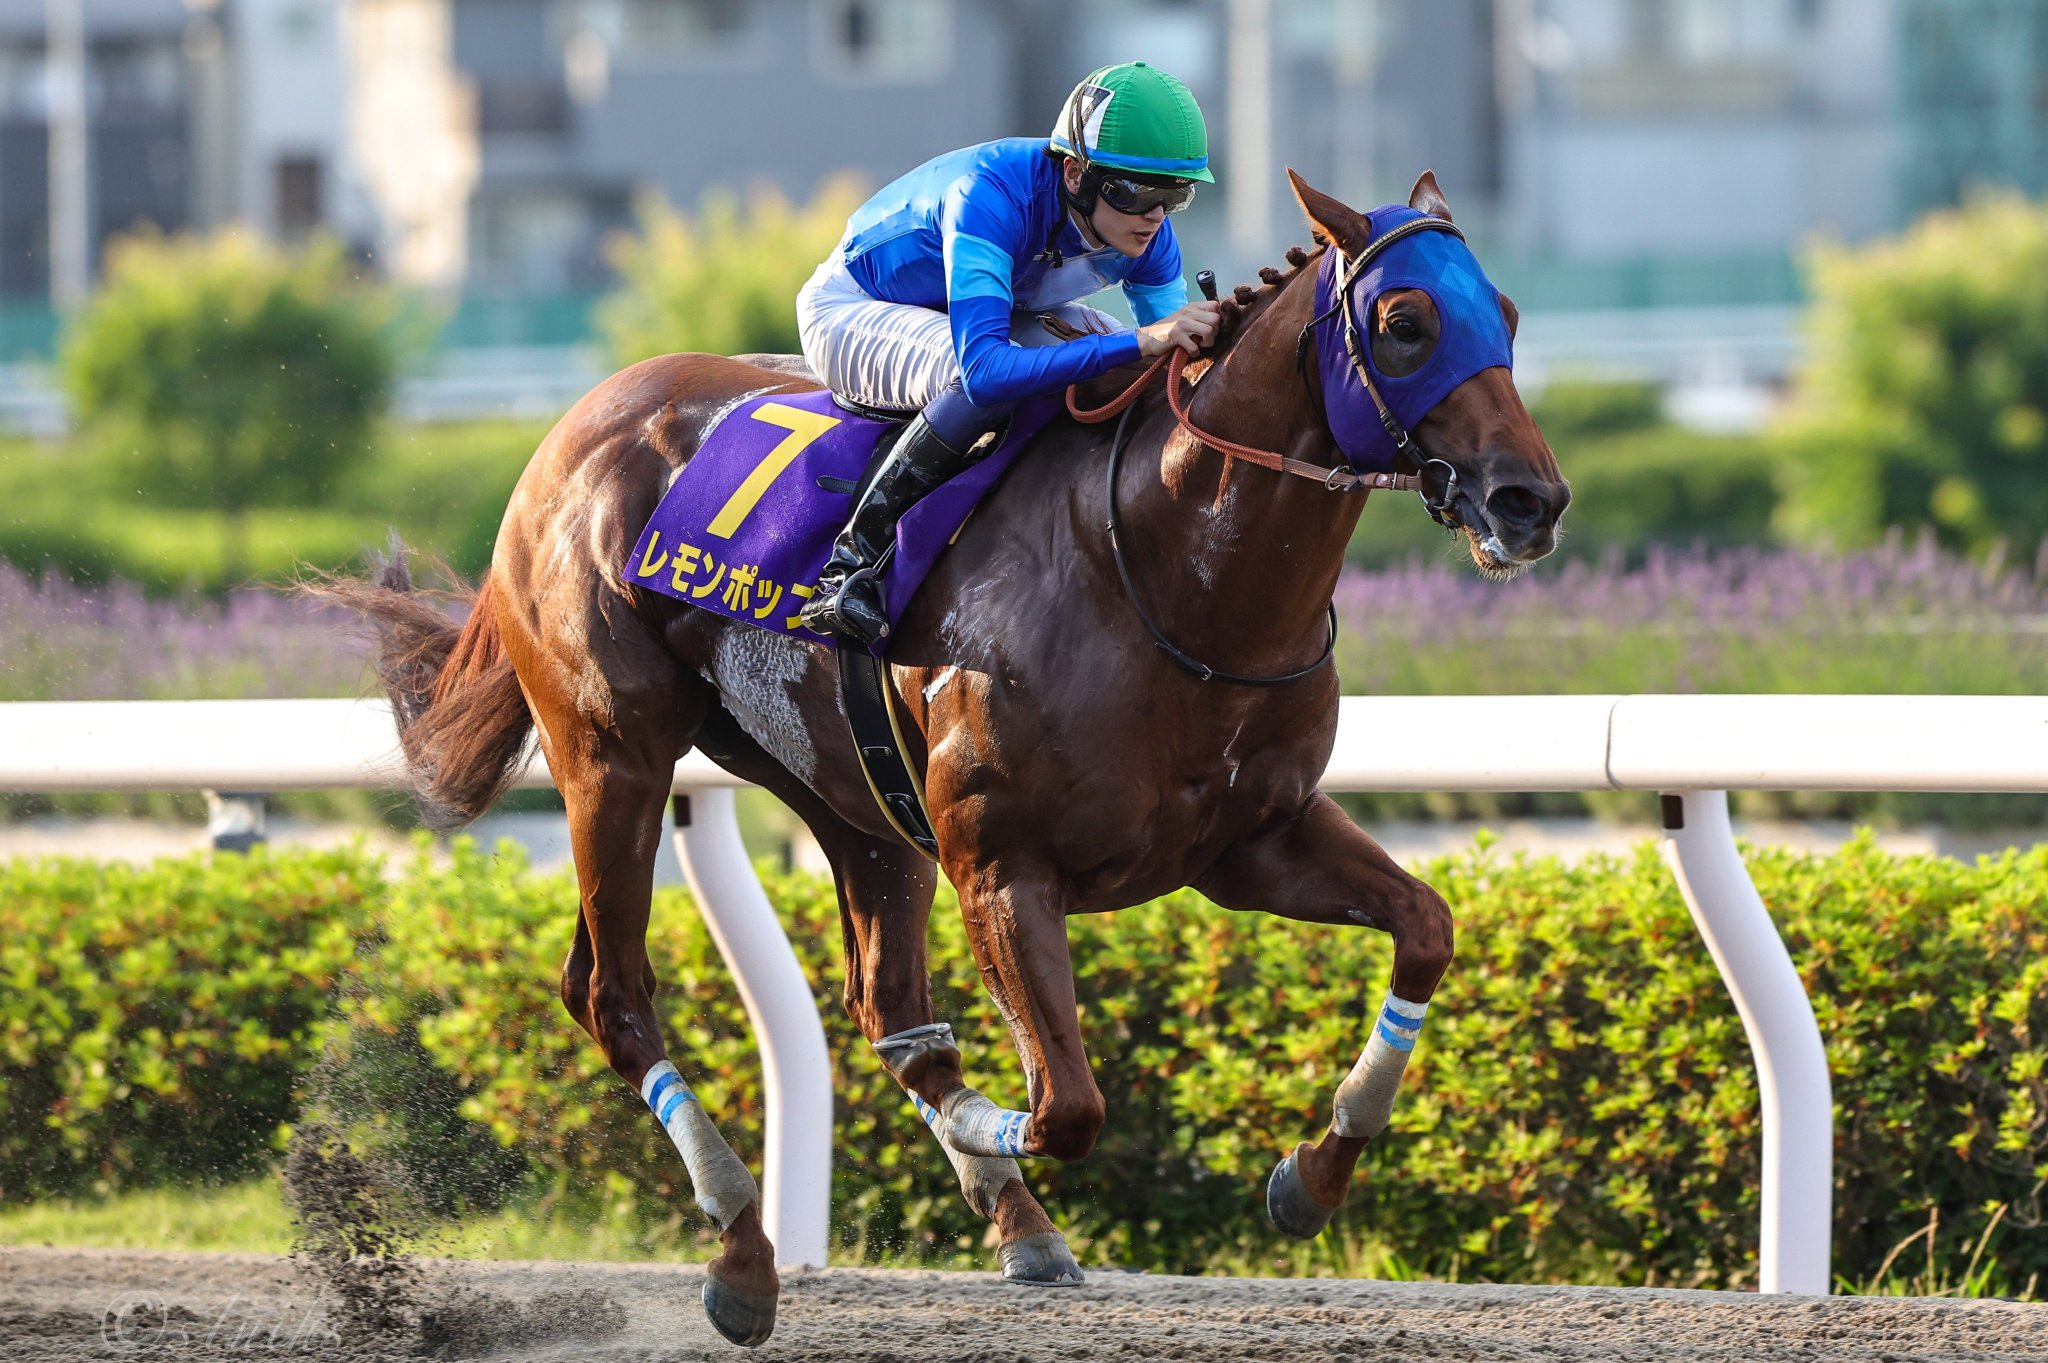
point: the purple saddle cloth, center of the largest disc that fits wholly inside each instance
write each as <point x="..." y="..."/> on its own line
<point x="746" y="525"/>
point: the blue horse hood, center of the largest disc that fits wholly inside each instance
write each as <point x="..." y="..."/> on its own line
<point x="1475" y="335"/>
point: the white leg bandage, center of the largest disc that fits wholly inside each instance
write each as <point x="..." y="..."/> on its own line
<point x="977" y="1136"/>
<point x="722" y="1184"/>
<point x="1365" y="1100"/>
<point x="981" y="1176"/>
<point x="974" y="1125"/>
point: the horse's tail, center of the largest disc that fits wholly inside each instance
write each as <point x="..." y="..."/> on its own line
<point x="462" y="720"/>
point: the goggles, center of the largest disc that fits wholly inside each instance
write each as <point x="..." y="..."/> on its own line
<point x="1139" y="197"/>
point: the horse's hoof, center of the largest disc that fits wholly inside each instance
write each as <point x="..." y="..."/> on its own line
<point x="1041" y="1260"/>
<point x="745" y="1320"/>
<point x="1289" y="1206"/>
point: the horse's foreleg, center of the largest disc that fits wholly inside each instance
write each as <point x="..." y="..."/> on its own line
<point x="885" y="896"/>
<point x="1018" y="933"/>
<point x="1018" y="930"/>
<point x="1030" y="1248"/>
<point x="1321" y="868"/>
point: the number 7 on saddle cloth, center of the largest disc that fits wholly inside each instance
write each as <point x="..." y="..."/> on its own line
<point x="747" y="524"/>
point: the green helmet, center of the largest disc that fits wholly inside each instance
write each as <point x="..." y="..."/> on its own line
<point x="1134" y="118"/>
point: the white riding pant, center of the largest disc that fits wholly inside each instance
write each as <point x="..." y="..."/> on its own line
<point x="899" y="355"/>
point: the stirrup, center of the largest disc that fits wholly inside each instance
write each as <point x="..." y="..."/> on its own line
<point x="848" y="612"/>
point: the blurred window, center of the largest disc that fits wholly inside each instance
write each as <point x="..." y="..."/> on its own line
<point x="1648" y="23"/>
<point x="299" y="25"/>
<point x="883" y="40"/>
<point x="137" y="79"/>
<point x="1972" y="98"/>
<point x="1703" y="32"/>
<point x="1708" y="33"/>
<point x="521" y="104"/>
<point x="1717" y="57"/>
<point x="298" y="195"/>
<point x="531" y="239"/>
<point x="665" y="30"/>
<point x="21" y="83"/>
<point x="682" y="25"/>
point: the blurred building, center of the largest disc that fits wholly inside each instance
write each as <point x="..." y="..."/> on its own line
<point x="197" y="112"/>
<point x="1973" y="98"/>
<point x="1639" y="174"/>
<point x="489" y="144"/>
<point x="278" y="95"/>
<point x="140" y="122"/>
<point x="1690" y="128"/>
<point x="1643" y="174"/>
<point x="534" y="123"/>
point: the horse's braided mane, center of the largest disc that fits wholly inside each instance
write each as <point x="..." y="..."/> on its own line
<point x="1244" y="303"/>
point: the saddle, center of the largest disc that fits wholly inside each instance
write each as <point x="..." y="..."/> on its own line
<point x="748" y="523"/>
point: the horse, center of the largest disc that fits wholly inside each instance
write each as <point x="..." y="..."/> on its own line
<point x="1072" y="764"/>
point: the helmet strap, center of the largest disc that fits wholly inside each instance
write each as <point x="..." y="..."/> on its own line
<point x="1081" y="206"/>
<point x="1082" y="200"/>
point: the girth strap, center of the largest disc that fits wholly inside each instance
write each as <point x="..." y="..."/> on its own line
<point x="878" y="738"/>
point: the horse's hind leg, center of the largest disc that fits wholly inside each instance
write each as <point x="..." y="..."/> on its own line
<point x="1321" y="868"/>
<point x="615" y="769"/>
<point x="885" y="896"/>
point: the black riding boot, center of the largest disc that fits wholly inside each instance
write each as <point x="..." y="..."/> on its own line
<point x="848" y="603"/>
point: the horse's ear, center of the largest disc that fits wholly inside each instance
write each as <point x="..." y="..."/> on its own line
<point x="1332" y="221"/>
<point x="1426" y="197"/>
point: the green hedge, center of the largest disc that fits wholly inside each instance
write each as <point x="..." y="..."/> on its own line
<point x="155" y="1022"/>
<point x="1582" y="1106"/>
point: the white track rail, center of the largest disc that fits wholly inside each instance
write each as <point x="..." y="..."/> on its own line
<point x="1694" y="749"/>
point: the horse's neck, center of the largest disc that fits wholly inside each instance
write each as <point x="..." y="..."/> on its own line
<point x="1265" y="546"/>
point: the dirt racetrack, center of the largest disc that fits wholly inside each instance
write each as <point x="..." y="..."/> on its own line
<point x="72" y="1305"/>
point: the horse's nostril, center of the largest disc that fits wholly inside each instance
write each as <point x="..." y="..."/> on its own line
<point x="1515" y="505"/>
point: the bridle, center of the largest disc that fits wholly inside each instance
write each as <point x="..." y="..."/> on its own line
<point x="1341" y="477"/>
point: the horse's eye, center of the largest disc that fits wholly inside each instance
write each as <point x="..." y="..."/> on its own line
<point x="1404" y="330"/>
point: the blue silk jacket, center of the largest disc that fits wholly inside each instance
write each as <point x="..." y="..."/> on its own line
<point x="982" y="232"/>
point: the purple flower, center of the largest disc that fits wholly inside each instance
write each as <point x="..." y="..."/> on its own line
<point x="1903" y="617"/>
<point x="61" y="641"/>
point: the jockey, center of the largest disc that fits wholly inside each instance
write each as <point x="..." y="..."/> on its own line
<point x="941" y="296"/>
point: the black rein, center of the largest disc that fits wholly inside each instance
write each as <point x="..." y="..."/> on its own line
<point x="1200" y="669"/>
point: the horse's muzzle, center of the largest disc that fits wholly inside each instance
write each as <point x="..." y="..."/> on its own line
<point x="1523" y="514"/>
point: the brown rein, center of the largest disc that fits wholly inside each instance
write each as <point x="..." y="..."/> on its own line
<point x="1174" y="361"/>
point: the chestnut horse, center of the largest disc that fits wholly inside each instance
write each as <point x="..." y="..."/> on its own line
<point x="1071" y="765"/>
